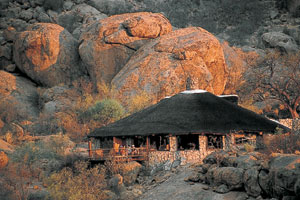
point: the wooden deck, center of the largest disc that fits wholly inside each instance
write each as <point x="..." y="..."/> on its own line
<point x="120" y="155"/>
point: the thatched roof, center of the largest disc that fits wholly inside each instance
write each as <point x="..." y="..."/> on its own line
<point x="189" y="112"/>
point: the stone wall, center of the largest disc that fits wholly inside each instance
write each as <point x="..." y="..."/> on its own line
<point x="192" y="156"/>
<point x="184" y="156"/>
<point x="291" y="123"/>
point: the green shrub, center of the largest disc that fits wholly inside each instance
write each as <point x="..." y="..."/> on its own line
<point x="105" y="111"/>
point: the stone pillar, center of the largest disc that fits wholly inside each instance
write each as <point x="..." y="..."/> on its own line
<point x="223" y="142"/>
<point x="173" y="143"/>
<point x="202" y="143"/>
<point x="259" y="141"/>
<point x="90" y="148"/>
<point x="230" y="141"/>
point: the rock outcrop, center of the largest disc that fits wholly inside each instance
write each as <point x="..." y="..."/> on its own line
<point x="116" y="184"/>
<point x="3" y="159"/>
<point x="279" y="178"/>
<point x="18" y="99"/>
<point x="47" y="53"/>
<point x="189" y="58"/>
<point x="130" y="171"/>
<point x="57" y="99"/>
<point x="279" y="40"/>
<point x="250" y="180"/>
<point x="225" y="171"/>
<point x="109" y="43"/>
<point x="78" y="15"/>
<point x="6" y="147"/>
<point x="230" y="176"/>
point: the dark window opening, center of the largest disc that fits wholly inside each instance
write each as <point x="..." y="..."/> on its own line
<point x="104" y="143"/>
<point x="139" y="141"/>
<point x="159" y="142"/>
<point x="132" y="141"/>
<point x="188" y="142"/>
<point x="215" y="141"/>
<point x="244" y="140"/>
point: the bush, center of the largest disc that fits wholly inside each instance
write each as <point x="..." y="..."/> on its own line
<point x="283" y="143"/>
<point x="14" y="180"/>
<point x="105" y="111"/>
<point x="112" y="165"/>
<point x="25" y="166"/>
<point x="249" y="147"/>
<point x="32" y="152"/>
<point x="139" y="102"/>
<point x="80" y="183"/>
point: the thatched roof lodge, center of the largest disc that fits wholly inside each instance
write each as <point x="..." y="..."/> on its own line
<point x="194" y="117"/>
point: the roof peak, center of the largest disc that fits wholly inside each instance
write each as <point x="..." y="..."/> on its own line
<point x="193" y="91"/>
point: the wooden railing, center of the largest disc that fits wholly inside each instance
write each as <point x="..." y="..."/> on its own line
<point x="122" y="153"/>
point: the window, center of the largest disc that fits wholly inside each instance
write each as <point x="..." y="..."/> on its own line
<point x="160" y="142"/>
<point x="215" y="141"/>
<point x="104" y="143"/>
<point x="241" y="140"/>
<point x="188" y="142"/>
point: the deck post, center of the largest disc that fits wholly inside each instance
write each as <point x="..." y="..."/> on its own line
<point x="90" y="148"/>
<point x="114" y="146"/>
<point x="259" y="141"/>
<point x="147" y="146"/>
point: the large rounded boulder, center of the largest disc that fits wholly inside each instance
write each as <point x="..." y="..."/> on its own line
<point x="47" y="53"/>
<point x="280" y="41"/>
<point x="109" y="43"/>
<point x="282" y="177"/>
<point x="78" y="15"/>
<point x="190" y="58"/>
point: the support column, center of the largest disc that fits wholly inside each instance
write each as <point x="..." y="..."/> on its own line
<point x="90" y="148"/>
<point x="259" y="141"/>
<point x="230" y="141"/>
<point x="173" y="143"/>
<point x="147" y="146"/>
<point x="202" y="143"/>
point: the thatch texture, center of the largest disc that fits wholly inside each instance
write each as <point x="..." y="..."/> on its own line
<point x="189" y="113"/>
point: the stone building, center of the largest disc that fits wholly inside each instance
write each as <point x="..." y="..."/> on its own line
<point x="185" y="127"/>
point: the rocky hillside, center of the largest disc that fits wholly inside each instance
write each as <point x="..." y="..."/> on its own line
<point x="54" y="54"/>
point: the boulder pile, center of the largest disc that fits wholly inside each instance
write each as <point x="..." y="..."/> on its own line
<point x="47" y="52"/>
<point x="277" y="177"/>
<point x="50" y="46"/>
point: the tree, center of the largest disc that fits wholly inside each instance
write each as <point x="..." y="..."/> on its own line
<point x="276" y="76"/>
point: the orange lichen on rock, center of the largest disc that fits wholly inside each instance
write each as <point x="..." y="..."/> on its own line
<point x="7" y="83"/>
<point x="1" y="124"/>
<point x="48" y="54"/>
<point x="109" y="43"/>
<point x="3" y="159"/>
<point x="43" y="46"/>
<point x="189" y="58"/>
